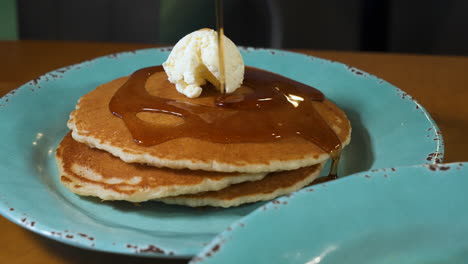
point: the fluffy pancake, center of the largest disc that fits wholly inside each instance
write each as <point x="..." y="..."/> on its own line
<point x="92" y="123"/>
<point x="273" y="185"/>
<point x="93" y="172"/>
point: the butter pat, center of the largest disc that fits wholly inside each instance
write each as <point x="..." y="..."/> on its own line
<point x="194" y="61"/>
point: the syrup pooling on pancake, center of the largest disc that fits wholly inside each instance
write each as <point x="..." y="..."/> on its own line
<point x="269" y="108"/>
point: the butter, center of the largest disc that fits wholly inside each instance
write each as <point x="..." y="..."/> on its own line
<point x="194" y="61"/>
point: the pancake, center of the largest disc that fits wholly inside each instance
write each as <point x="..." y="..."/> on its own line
<point x="93" y="172"/>
<point x="93" y="124"/>
<point x="273" y="185"/>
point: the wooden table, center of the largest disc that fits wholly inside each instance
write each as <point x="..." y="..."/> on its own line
<point x="439" y="83"/>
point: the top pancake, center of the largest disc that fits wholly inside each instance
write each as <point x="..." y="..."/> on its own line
<point x="92" y="123"/>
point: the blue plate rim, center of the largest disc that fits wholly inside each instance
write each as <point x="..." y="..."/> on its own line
<point x="82" y="242"/>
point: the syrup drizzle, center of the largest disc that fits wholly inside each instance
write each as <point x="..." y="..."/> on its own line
<point x="274" y="108"/>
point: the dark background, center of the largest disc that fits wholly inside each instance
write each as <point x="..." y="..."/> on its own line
<point x="405" y="26"/>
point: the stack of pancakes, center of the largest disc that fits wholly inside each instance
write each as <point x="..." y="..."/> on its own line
<point x="100" y="158"/>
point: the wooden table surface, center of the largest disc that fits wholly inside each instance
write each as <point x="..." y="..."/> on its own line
<point x="440" y="83"/>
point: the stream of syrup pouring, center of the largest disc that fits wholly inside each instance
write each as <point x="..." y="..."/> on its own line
<point x="274" y="108"/>
<point x="220" y="30"/>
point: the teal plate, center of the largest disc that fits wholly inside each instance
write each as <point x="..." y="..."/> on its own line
<point x="389" y="129"/>
<point x="404" y="215"/>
